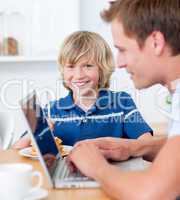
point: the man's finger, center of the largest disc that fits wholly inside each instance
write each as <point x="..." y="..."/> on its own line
<point x="70" y="164"/>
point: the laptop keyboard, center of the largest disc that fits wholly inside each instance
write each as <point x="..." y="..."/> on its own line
<point x="64" y="173"/>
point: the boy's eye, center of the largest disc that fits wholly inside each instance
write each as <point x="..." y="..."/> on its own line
<point x="89" y="65"/>
<point x="69" y="66"/>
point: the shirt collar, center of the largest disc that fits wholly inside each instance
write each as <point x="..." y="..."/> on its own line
<point x="67" y="102"/>
<point x="105" y="99"/>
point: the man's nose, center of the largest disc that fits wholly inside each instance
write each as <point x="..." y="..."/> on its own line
<point x="121" y="61"/>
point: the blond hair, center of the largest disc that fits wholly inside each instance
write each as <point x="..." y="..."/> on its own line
<point x="91" y="46"/>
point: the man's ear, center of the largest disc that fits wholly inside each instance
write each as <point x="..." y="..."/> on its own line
<point x="158" y="42"/>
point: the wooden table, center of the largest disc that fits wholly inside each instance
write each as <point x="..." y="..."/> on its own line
<point x="12" y="156"/>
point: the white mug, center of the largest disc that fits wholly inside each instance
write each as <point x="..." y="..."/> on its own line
<point x="16" y="181"/>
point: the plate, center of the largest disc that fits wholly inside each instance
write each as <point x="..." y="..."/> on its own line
<point x="36" y="194"/>
<point x="27" y="152"/>
<point x="66" y="149"/>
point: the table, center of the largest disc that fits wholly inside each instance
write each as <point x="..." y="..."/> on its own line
<point x="12" y="156"/>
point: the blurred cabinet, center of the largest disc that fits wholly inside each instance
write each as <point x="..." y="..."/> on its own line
<point x="13" y="36"/>
<point x="35" y="28"/>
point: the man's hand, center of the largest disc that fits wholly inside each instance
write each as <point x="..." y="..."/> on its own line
<point x="112" y="148"/>
<point x="88" y="159"/>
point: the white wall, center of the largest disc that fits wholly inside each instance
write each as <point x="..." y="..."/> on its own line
<point x="90" y="18"/>
<point x="53" y="21"/>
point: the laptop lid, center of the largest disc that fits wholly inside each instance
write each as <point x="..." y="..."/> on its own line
<point x="41" y="134"/>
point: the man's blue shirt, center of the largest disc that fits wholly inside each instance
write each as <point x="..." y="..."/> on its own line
<point x="114" y="114"/>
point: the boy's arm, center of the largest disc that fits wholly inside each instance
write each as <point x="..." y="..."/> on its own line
<point x="147" y="146"/>
<point x="22" y="143"/>
<point x="161" y="181"/>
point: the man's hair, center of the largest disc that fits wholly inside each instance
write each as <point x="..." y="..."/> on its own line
<point x="141" y="17"/>
<point x="91" y="46"/>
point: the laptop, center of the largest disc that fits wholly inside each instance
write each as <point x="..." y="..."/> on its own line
<point x="54" y="165"/>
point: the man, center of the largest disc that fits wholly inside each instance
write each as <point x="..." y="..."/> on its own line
<point x="146" y="35"/>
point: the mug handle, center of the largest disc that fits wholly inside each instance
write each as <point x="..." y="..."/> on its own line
<point x="40" y="179"/>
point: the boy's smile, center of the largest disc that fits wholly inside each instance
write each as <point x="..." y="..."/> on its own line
<point x="82" y="77"/>
<point x="80" y="83"/>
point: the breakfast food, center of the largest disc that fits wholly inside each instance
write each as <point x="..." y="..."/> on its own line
<point x="33" y="151"/>
<point x="59" y="146"/>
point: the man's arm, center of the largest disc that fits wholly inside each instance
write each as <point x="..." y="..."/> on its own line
<point x="121" y="149"/>
<point x="160" y="181"/>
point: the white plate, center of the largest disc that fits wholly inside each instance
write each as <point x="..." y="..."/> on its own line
<point x="37" y="194"/>
<point x="27" y="151"/>
<point x="67" y="148"/>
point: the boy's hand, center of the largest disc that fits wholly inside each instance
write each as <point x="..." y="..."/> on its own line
<point x="51" y="124"/>
<point x="22" y="143"/>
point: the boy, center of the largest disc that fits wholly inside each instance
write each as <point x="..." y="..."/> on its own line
<point x="91" y="110"/>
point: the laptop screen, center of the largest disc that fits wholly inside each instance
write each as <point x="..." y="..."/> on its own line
<point x="41" y="133"/>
